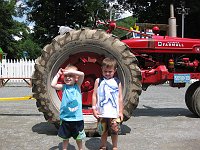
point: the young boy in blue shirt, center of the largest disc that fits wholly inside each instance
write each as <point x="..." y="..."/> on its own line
<point x="71" y="117"/>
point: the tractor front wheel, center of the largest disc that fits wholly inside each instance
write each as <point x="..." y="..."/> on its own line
<point x="85" y="49"/>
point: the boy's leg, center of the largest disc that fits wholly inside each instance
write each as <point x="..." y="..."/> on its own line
<point x="114" y="138"/>
<point x="114" y="129"/>
<point x="65" y="133"/>
<point x="104" y="140"/>
<point x="103" y="123"/>
<point x="79" y="144"/>
<point x="65" y="144"/>
<point x="79" y="133"/>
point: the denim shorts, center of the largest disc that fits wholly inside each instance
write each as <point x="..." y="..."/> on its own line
<point x="70" y="129"/>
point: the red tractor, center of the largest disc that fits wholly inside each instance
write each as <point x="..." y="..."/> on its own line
<point x="147" y="60"/>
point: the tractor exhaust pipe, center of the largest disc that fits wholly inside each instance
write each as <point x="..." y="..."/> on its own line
<point x="172" y="22"/>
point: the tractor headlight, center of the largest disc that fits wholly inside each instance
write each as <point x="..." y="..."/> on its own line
<point x="197" y="49"/>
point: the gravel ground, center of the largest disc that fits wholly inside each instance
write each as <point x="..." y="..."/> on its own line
<point x="161" y="122"/>
<point x="8" y="91"/>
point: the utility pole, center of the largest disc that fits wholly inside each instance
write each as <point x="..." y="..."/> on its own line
<point x="112" y="6"/>
<point x="183" y="11"/>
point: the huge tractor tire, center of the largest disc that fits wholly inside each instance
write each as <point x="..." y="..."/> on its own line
<point x="196" y="99"/>
<point x="189" y="100"/>
<point x="85" y="49"/>
<point x="192" y="98"/>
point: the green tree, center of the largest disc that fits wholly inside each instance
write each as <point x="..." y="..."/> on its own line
<point x="95" y="10"/>
<point x="48" y="15"/>
<point x="158" y="11"/>
<point x="125" y="23"/>
<point x="7" y="27"/>
<point x="10" y="28"/>
<point x="28" y="45"/>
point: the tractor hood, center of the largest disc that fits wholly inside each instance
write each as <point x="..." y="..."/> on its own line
<point x="164" y="44"/>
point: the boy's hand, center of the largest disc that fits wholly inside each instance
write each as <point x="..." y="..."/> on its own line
<point x="121" y="116"/>
<point x="60" y="72"/>
<point x="95" y="113"/>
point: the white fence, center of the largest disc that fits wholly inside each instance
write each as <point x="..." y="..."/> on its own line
<point x="21" y="68"/>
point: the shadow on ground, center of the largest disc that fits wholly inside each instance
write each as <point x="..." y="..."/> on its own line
<point x="94" y="143"/>
<point x="90" y="144"/>
<point x="163" y="112"/>
<point x="124" y="130"/>
<point x="45" y="128"/>
<point x="59" y="147"/>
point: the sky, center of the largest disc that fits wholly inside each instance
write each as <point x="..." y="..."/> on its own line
<point x="126" y="14"/>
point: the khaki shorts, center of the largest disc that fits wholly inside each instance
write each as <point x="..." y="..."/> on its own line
<point x="110" y="125"/>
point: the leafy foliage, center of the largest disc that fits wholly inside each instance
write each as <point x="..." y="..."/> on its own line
<point x="7" y="27"/>
<point x="125" y="23"/>
<point x="10" y="28"/>
<point x="48" y="15"/>
<point x="158" y="11"/>
<point x="28" y="45"/>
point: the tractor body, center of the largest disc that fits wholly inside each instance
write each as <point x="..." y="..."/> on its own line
<point x="165" y="58"/>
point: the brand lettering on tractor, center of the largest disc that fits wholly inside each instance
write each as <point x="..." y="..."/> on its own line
<point x="170" y="44"/>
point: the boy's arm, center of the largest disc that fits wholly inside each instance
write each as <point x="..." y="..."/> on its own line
<point x="94" y="99"/>
<point x="54" y="83"/>
<point x="80" y="75"/>
<point x="121" y="106"/>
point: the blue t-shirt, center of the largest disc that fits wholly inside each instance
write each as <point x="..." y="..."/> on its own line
<point x="71" y="105"/>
